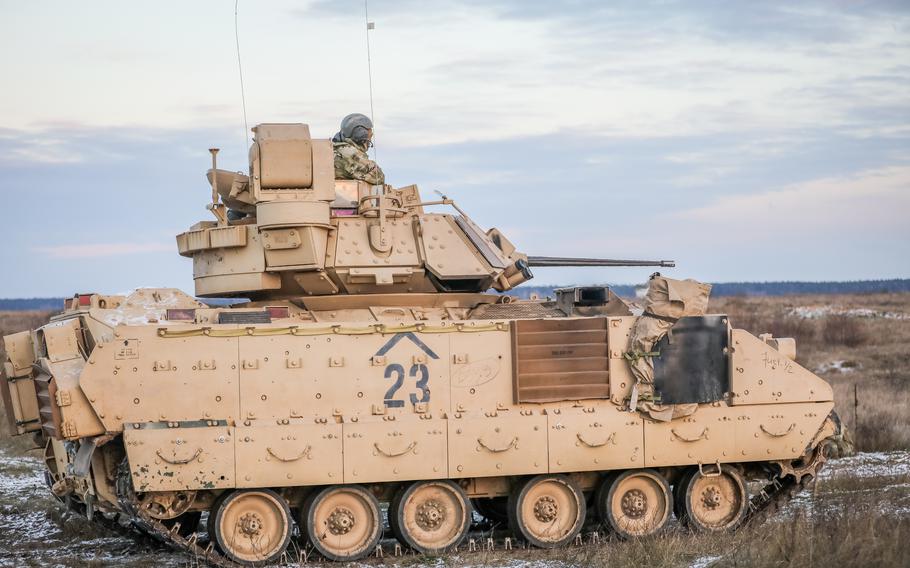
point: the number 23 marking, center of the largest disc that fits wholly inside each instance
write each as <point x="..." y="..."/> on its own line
<point x="415" y="371"/>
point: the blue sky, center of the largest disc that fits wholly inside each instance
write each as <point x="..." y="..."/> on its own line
<point x="747" y="141"/>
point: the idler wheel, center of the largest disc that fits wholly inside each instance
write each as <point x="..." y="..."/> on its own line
<point x="251" y="526"/>
<point x="712" y="501"/>
<point x="634" y="503"/>
<point x="547" y="510"/>
<point x="431" y="517"/>
<point x="343" y="522"/>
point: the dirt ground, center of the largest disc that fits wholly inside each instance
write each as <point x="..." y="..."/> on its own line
<point x="857" y="515"/>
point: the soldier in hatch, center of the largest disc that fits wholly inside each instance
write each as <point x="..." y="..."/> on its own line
<point x="351" y="145"/>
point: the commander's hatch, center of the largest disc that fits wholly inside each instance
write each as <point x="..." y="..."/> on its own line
<point x="349" y="194"/>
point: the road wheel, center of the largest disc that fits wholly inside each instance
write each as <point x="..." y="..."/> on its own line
<point x="343" y="522"/>
<point x="547" y="510"/>
<point x="635" y="503"/>
<point x="431" y="516"/>
<point x="713" y="502"/>
<point x="252" y="526"/>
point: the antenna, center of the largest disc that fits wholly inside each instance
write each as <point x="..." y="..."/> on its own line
<point x="370" y="26"/>
<point x="246" y="126"/>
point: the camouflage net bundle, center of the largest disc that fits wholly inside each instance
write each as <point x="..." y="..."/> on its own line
<point x="667" y="300"/>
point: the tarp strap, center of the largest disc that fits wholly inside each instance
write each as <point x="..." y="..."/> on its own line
<point x="634" y="356"/>
<point x="667" y="319"/>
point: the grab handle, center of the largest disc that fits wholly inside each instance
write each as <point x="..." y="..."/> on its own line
<point x="702" y="436"/>
<point x="304" y="454"/>
<point x="179" y="462"/>
<point x="704" y="473"/>
<point x="610" y="438"/>
<point x="512" y="444"/>
<point x="776" y="434"/>
<point x="391" y="454"/>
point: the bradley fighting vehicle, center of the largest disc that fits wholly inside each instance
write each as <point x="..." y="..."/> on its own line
<point x="372" y="365"/>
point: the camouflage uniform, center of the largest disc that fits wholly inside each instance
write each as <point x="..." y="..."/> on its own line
<point x="352" y="162"/>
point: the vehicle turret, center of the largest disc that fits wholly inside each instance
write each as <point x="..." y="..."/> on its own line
<point x="293" y="230"/>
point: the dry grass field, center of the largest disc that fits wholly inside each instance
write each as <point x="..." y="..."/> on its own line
<point x="858" y="514"/>
<point x="858" y="343"/>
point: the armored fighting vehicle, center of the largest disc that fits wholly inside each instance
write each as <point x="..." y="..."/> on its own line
<point x="380" y="359"/>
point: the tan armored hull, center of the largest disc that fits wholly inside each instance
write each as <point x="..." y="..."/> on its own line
<point x="402" y="401"/>
<point x="300" y="402"/>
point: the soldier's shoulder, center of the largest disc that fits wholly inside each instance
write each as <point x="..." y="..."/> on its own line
<point x="346" y="149"/>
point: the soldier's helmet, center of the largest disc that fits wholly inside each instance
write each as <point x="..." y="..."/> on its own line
<point x="357" y="127"/>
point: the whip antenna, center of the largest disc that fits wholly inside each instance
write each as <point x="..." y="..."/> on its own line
<point x="246" y="126"/>
<point x="370" y="26"/>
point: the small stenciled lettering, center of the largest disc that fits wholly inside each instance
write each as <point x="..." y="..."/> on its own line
<point x="775" y="362"/>
<point x="127" y="349"/>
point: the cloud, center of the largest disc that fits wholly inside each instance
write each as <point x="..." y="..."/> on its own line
<point x="809" y="20"/>
<point x="96" y="250"/>
<point x="868" y="202"/>
<point x="447" y="72"/>
<point x="71" y="144"/>
<point x="39" y="148"/>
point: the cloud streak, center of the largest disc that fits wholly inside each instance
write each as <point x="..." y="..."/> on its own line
<point x="872" y="201"/>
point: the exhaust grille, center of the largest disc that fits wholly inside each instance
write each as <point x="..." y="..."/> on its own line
<point x="560" y="359"/>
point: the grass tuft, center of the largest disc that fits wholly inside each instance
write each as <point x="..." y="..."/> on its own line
<point x="844" y="330"/>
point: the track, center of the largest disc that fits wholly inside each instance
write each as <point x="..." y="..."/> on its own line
<point x="778" y="491"/>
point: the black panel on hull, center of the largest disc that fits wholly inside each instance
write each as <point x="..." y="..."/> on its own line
<point x="693" y="365"/>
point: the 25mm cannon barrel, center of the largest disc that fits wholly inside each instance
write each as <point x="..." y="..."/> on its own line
<point x="534" y="261"/>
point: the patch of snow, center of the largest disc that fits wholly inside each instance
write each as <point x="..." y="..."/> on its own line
<point x="817" y="312"/>
<point x="143" y="306"/>
<point x="868" y="464"/>
<point x="149" y="317"/>
<point x="155" y="298"/>
<point x="838" y="367"/>
<point x="704" y="561"/>
<point x="132" y="291"/>
<point x="512" y="564"/>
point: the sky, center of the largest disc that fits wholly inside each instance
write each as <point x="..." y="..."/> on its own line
<point x="745" y="140"/>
